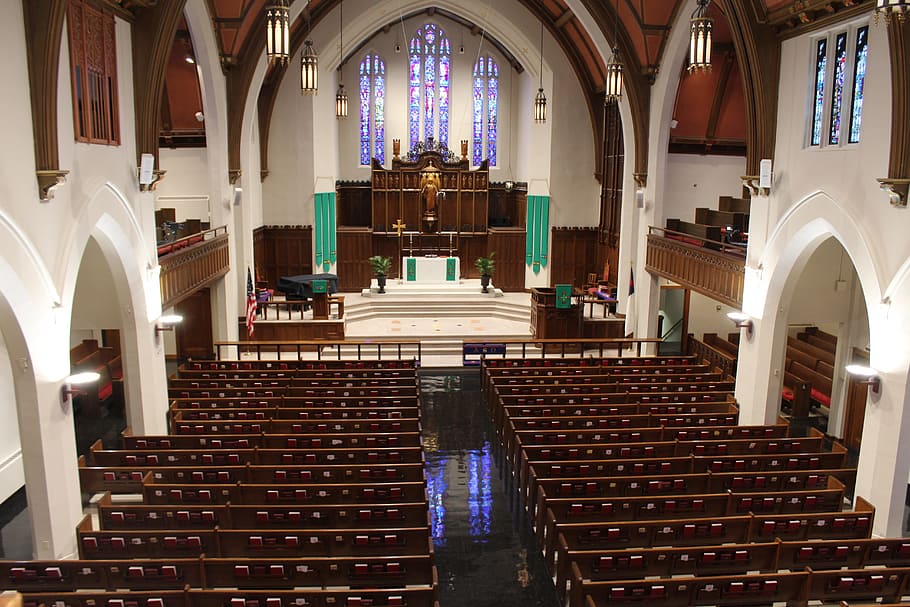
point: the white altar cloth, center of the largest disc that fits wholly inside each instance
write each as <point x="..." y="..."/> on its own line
<point x="430" y="270"/>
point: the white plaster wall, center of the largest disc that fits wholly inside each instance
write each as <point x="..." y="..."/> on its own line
<point x="95" y="303"/>
<point x="187" y="172"/>
<point x="847" y="174"/>
<point x="708" y="316"/>
<point x="12" y="473"/>
<point x="815" y="299"/>
<point x="697" y="181"/>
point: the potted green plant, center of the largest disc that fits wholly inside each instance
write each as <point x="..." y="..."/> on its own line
<point x="486" y="266"/>
<point x="381" y="266"/>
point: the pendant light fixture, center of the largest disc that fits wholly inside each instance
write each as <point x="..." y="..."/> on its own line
<point x="540" y="100"/>
<point x="309" y="64"/>
<point x="892" y="8"/>
<point x="277" y="32"/>
<point x="613" y="90"/>
<point x="341" y="97"/>
<point x="701" y="28"/>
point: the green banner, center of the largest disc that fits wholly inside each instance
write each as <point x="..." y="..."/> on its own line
<point x="412" y="269"/>
<point x="320" y="286"/>
<point x="324" y="207"/>
<point x="563" y="296"/>
<point x="450" y="269"/>
<point x="537" y="237"/>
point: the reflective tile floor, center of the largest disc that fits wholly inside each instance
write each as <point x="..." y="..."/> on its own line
<point x="486" y="554"/>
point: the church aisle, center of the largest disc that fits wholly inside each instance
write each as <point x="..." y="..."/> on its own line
<point x="485" y="550"/>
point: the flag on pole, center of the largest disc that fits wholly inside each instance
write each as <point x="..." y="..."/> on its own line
<point x="631" y="316"/>
<point x="251" y="304"/>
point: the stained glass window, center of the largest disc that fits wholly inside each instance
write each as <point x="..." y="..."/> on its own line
<point x="492" y="108"/>
<point x="477" y="153"/>
<point x="428" y="86"/>
<point x="379" y="109"/>
<point x="372" y="109"/>
<point x="821" y="63"/>
<point x="837" y="98"/>
<point x="859" y="79"/>
<point x="486" y="107"/>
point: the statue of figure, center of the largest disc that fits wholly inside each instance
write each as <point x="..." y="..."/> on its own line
<point x="429" y="190"/>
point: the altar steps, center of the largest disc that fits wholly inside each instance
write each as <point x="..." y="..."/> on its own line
<point x="437" y="304"/>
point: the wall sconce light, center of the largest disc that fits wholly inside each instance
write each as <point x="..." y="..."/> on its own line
<point x="167" y="323"/>
<point x="867" y="376"/>
<point x="76" y="379"/>
<point x="742" y="321"/>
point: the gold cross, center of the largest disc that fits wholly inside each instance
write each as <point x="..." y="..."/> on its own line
<point x="399" y="226"/>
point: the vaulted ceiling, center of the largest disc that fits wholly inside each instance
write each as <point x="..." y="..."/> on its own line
<point x="709" y="108"/>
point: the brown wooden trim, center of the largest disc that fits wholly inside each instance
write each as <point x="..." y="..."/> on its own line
<point x="899" y="46"/>
<point x="816" y="15"/>
<point x="637" y="80"/>
<point x="758" y="54"/>
<point x="153" y="35"/>
<point x="719" y="93"/>
<point x="43" y="34"/>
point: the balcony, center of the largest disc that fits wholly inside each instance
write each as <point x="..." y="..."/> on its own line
<point x="714" y="269"/>
<point x="191" y="263"/>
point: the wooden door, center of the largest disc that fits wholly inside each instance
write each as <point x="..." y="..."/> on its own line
<point x="194" y="334"/>
<point x="855" y="414"/>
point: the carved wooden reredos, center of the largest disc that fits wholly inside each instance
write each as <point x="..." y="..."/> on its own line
<point x="432" y="192"/>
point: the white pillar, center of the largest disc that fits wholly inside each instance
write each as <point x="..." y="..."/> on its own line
<point x="49" y="459"/>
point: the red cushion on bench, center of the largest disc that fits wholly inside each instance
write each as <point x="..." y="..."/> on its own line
<point x="821" y="397"/>
<point x="787" y="394"/>
<point x="105" y="391"/>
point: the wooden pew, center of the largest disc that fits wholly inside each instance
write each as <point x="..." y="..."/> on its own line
<point x="737" y="220"/>
<point x="756" y="588"/>
<point x="696" y="234"/>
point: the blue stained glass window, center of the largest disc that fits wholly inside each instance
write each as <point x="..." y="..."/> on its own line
<point x="372" y="108"/>
<point x="429" y="96"/>
<point x="414" y="96"/>
<point x="821" y="64"/>
<point x="486" y="108"/>
<point x="837" y="98"/>
<point x="477" y="153"/>
<point x="444" y="99"/>
<point x="430" y="79"/>
<point x="859" y="79"/>
<point x="365" y="111"/>
<point x="492" y="108"/>
<point x="379" y="107"/>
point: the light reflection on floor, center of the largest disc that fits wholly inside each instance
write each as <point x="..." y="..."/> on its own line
<point x="485" y="551"/>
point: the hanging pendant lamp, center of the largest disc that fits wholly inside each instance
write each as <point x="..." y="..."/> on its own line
<point x="277" y="32"/>
<point x="309" y="65"/>
<point x="341" y="97"/>
<point x="613" y="85"/>
<point x="540" y="100"/>
<point x="700" y="37"/>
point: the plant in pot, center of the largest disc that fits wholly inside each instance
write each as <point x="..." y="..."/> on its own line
<point x="486" y="267"/>
<point x="381" y="266"/>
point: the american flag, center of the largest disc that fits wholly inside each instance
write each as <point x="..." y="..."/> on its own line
<point x="251" y="304"/>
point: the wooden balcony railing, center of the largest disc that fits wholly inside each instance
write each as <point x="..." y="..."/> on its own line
<point x="193" y="266"/>
<point x="715" y="272"/>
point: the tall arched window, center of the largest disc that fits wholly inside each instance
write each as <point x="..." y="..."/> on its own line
<point x="428" y="86"/>
<point x="372" y="109"/>
<point x="486" y="106"/>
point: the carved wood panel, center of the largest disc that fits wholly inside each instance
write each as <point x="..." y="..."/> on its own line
<point x="573" y="255"/>
<point x="355" y="246"/>
<point x="282" y="251"/>
<point x="509" y="245"/>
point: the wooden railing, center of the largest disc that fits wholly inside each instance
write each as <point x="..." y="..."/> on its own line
<point x="194" y="266"/>
<point x="349" y="349"/>
<point x="722" y="361"/>
<point x="561" y="348"/>
<point x="716" y="272"/>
